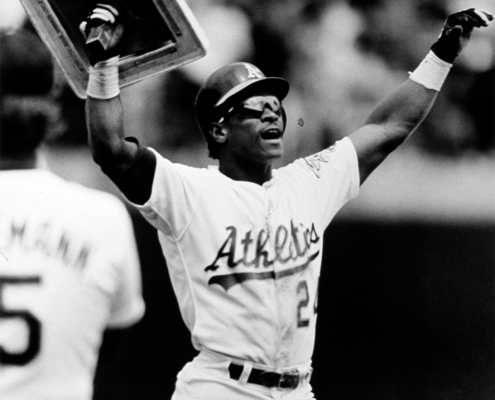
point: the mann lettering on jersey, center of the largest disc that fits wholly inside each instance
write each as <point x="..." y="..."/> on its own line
<point x="44" y="238"/>
<point x="253" y="72"/>
<point x="251" y="256"/>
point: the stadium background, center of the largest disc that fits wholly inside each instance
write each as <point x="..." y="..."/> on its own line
<point x="406" y="307"/>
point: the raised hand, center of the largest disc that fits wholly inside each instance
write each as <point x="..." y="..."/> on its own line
<point x="457" y="31"/>
<point x="103" y="32"/>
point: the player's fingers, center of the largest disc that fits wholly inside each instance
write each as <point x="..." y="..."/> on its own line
<point x="466" y="20"/>
<point x="113" y="10"/>
<point x="82" y="27"/>
<point x="455" y="33"/>
<point x="473" y="18"/>
<point x="485" y="16"/>
<point x="478" y="17"/>
<point x="103" y="14"/>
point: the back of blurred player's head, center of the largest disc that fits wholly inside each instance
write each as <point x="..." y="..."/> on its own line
<point x="26" y="106"/>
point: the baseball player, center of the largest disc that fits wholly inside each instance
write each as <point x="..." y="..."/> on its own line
<point x="68" y="259"/>
<point x="243" y="241"/>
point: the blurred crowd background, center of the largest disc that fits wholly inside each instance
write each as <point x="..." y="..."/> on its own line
<point x="341" y="57"/>
<point x="407" y="310"/>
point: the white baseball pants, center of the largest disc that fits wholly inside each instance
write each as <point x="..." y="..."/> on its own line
<point x="207" y="378"/>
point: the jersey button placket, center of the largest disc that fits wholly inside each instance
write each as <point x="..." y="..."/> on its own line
<point x="272" y="223"/>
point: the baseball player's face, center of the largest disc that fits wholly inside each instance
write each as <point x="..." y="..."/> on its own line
<point x="255" y="128"/>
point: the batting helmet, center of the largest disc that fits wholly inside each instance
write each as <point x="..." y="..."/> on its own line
<point x="228" y="85"/>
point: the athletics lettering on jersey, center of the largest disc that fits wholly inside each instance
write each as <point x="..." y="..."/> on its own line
<point x="314" y="161"/>
<point x="290" y="245"/>
<point x="45" y="239"/>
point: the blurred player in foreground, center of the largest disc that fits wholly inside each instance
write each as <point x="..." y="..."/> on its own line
<point x="243" y="241"/>
<point x="69" y="267"/>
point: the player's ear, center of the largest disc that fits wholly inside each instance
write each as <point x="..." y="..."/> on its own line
<point x="218" y="132"/>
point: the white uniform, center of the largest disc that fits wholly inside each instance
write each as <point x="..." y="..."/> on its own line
<point x="245" y="259"/>
<point x="68" y="270"/>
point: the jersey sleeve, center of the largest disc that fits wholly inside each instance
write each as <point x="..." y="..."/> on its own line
<point x="127" y="304"/>
<point x="136" y="181"/>
<point x="171" y="205"/>
<point x="328" y="179"/>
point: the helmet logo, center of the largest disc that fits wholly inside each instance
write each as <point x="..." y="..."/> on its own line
<point x="253" y="72"/>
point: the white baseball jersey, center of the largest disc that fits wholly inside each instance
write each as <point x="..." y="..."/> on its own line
<point x="68" y="270"/>
<point x="245" y="259"/>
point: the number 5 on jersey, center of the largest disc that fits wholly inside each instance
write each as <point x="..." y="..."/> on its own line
<point x="33" y="325"/>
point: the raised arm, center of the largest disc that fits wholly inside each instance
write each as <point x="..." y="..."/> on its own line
<point x="397" y="117"/>
<point x="390" y="123"/>
<point x="106" y="138"/>
<point x="104" y="113"/>
<point x="130" y="166"/>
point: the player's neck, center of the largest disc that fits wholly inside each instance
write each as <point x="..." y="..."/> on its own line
<point x="258" y="174"/>
<point x="7" y="163"/>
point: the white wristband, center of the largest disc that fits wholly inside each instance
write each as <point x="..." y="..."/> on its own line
<point x="104" y="79"/>
<point x="431" y="72"/>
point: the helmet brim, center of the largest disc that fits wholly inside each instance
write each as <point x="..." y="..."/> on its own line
<point x="278" y="87"/>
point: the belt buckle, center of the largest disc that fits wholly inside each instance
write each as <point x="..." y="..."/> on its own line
<point x="289" y="380"/>
<point x="270" y="379"/>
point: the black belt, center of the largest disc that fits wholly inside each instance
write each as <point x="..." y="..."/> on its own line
<point x="287" y="380"/>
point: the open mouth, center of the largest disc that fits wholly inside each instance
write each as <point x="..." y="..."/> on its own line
<point x="271" y="134"/>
